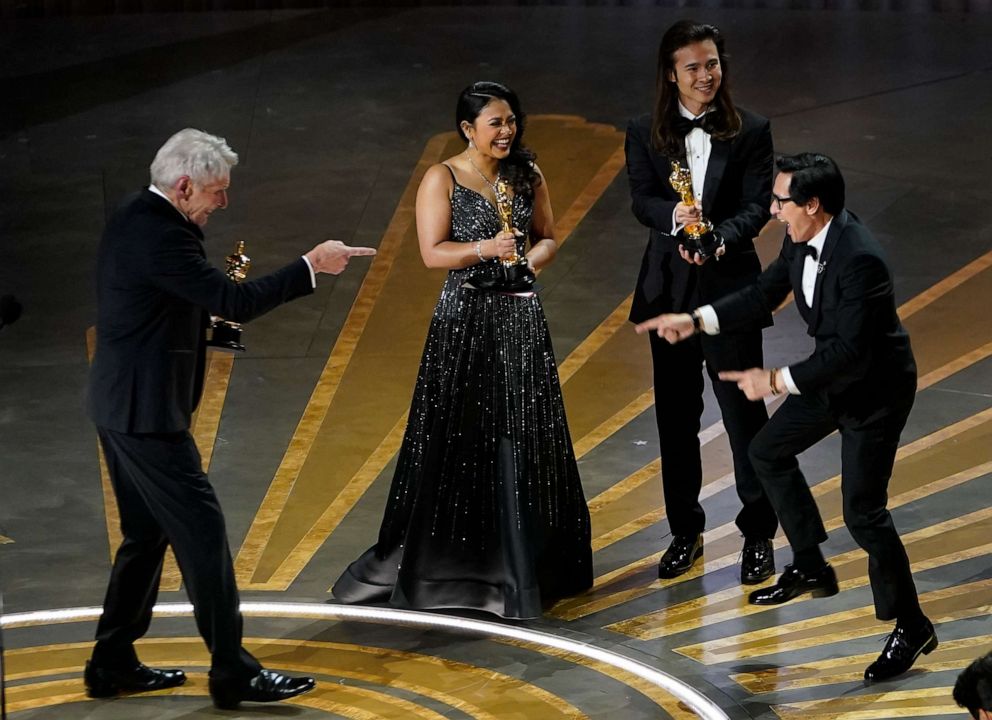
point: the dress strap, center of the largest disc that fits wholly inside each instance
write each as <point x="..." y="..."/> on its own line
<point x="450" y="170"/>
<point x="454" y="179"/>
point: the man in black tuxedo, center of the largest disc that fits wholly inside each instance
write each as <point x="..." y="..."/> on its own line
<point x="729" y="153"/>
<point x="155" y="294"/>
<point x="860" y="381"/>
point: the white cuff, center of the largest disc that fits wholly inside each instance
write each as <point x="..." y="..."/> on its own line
<point x="790" y="384"/>
<point x="313" y="275"/>
<point x="708" y="320"/>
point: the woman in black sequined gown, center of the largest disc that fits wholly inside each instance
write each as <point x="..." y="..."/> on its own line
<point x="486" y="510"/>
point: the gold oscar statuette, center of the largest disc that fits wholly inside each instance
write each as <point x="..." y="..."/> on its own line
<point x="517" y="275"/>
<point x="681" y="180"/>
<point x="698" y="237"/>
<point x="226" y="335"/>
<point x="504" y="206"/>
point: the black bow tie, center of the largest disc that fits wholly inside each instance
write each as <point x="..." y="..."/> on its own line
<point x="684" y="126"/>
<point x="810" y="250"/>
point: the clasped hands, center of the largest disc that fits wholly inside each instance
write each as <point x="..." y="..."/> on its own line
<point x="332" y="256"/>
<point x="503" y="245"/>
<point x="755" y="383"/>
<point x="687" y="215"/>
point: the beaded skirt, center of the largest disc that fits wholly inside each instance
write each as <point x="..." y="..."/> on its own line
<point x="486" y="510"/>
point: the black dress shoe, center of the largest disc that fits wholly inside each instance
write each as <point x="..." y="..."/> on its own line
<point x="901" y="651"/>
<point x="757" y="561"/>
<point x="267" y="686"/>
<point x="680" y="555"/>
<point x="104" y="682"/>
<point x="793" y="583"/>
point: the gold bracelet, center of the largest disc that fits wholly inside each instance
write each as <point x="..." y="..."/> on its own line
<point x="772" y="376"/>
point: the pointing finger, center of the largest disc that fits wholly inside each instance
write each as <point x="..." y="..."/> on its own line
<point x="360" y="251"/>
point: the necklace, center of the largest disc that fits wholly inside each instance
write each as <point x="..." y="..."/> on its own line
<point x="490" y="183"/>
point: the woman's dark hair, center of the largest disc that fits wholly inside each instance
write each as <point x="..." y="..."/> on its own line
<point x="723" y="122"/>
<point x="518" y="166"/>
<point x="814" y="176"/>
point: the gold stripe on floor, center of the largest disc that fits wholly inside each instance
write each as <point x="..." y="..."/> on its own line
<point x="968" y="600"/>
<point x="926" y="548"/>
<point x="949" y="655"/>
<point x="949" y="322"/>
<point x="876" y="706"/>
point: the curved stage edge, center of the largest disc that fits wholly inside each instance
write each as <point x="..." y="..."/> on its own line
<point x="687" y="700"/>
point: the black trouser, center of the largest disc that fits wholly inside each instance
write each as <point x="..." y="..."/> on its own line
<point x="868" y="451"/>
<point x="165" y="499"/>
<point x="678" y="394"/>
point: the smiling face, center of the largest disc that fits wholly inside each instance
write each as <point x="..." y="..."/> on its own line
<point x="801" y="224"/>
<point x="494" y="129"/>
<point x="697" y="73"/>
<point x="198" y="200"/>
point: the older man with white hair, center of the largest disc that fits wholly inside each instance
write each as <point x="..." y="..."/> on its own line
<point x="155" y="295"/>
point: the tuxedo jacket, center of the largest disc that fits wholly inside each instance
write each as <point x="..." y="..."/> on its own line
<point x="862" y="361"/>
<point x="155" y="293"/>
<point x="736" y="198"/>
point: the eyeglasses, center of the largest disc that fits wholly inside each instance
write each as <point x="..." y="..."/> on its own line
<point x="781" y="200"/>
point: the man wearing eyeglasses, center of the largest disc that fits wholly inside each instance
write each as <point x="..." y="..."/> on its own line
<point x="860" y="381"/>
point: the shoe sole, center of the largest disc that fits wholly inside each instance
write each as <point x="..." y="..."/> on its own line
<point x="817" y="593"/>
<point x="229" y="702"/>
<point x="928" y="647"/>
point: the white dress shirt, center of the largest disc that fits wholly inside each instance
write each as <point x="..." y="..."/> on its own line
<point x="710" y="324"/>
<point x="811" y="270"/>
<point x="698" y="145"/>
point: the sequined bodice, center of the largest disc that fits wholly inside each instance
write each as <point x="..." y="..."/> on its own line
<point x="473" y="218"/>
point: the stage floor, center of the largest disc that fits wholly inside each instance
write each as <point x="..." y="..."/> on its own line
<point x="336" y="114"/>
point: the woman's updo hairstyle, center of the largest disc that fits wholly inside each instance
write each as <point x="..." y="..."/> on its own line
<point x="518" y="166"/>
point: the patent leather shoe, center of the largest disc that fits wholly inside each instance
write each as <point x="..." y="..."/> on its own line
<point x="680" y="555"/>
<point x="901" y="650"/>
<point x="104" y="682"/>
<point x="757" y="561"/>
<point x="792" y="583"/>
<point x="267" y="686"/>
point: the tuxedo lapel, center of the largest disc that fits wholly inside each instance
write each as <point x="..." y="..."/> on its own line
<point x="719" y="153"/>
<point x="796" y="269"/>
<point x="795" y="259"/>
<point x="829" y="244"/>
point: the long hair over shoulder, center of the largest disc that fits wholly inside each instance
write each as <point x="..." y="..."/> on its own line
<point x="723" y="122"/>
<point x="518" y="166"/>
